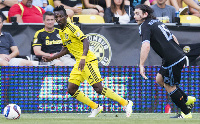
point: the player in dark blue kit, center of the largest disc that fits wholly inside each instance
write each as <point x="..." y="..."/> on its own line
<point x="155" y="34"/>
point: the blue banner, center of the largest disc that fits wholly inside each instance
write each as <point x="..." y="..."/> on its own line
<point x="43" y="89"/>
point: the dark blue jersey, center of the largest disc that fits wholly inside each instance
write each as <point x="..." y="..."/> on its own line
<point x="49" y="41"/>
<point x="161" y="40"/>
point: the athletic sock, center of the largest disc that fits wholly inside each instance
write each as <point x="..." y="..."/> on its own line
<point x="112" y="95"/>
<point x="80" y="96"/>
<point x="184" y="95"/>
<point x="178" y="99"/>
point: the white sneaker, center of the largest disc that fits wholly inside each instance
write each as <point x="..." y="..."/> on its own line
<point x="96" y="111"/>
<point x="128" y="108"/>
<point x="182" y="11"/>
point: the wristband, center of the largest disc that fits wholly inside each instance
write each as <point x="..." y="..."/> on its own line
<point x="83" y="57"/>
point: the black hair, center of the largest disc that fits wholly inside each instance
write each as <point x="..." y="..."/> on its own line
<point x="146" y="8"/>
<point x="47" y="13"/>
<point x="60" y="8"/>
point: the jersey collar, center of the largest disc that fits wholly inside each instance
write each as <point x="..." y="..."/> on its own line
<point x="65" y="26"/>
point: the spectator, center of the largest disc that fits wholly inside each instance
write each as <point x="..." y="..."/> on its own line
<point x="163" y="12"/>
<point x="4" y="18"/>
<point x="134" y="3"/>
<point x="99" y="5"/>
<point x="152" y="2"/>
<point x="43" y="4"/>
<point x="47" y="42"/>
<point x="118" y="9"/>
<point x="6" y="4"/>
<point x="26" y="12"/>
<point x="193" y="11"/>
<point x="7" y="44"/>
<point x="108" y="2"/>
<point x="74" y="7"/>
<point x="179" y="7"/>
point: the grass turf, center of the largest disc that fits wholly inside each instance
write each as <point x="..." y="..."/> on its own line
<point x="103" y="118"/>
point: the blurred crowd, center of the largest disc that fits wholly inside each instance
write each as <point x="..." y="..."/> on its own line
<point x="31" y="11"/>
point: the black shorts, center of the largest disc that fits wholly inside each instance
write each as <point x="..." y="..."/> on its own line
<point x="172" y="75"/>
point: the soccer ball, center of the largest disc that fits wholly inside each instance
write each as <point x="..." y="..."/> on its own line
<point x="12" y="111"/>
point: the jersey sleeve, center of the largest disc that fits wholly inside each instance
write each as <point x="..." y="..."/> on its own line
<point x="37" y="41"/>
<point x="145" y="33"/>
<point x="14" y="10"/>
<point x="78" y="33"/>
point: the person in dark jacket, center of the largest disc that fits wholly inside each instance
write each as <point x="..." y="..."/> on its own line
<point x="119" y="9"/>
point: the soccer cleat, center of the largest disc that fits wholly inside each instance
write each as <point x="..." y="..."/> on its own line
<point x="96" y="111"/>
<point x="190" y="102"/>
<point x="128" y="108"/>
<point x="189" y="115"/>
<point x="177" y="116"/>
<point x="182" y="115"/>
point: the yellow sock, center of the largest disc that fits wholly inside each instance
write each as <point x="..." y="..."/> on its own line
<point x="112" y="95"/>
<point x="80" y="96"/>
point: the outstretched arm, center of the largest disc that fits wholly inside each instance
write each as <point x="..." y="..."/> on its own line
<point x="175" y="39"/>
<point x="143" y="56"/>
<point x="58" y="55"/>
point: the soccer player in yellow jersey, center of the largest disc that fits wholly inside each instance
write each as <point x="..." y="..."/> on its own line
<point x="86" y="67"/>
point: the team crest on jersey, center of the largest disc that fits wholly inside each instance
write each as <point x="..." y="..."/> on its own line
<point x="66" y="36"/>
<point x="186" y="49"/>
<point x="77" y="34"/>
<point x="101" y="47"/>
<point x="58" y="36"/>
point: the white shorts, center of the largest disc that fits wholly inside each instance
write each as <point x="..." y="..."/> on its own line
<point x="14" y="61"/>
<point x="66" y="60"/>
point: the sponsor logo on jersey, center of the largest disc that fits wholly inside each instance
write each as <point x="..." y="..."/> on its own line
<point x="101" y="48"/>
<point x="58" y="36"/>
<point x="186" y="49"/>
<point x="66" y="36"/>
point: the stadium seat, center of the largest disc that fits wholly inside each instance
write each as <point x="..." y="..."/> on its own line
<point x="89" y="18"/>
<point x="183" y="4"/>
<point x="51" y="2"/>
<point x="189" y="19"/>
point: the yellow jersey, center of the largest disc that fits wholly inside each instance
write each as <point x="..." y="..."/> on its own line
<point x="72" y="37"/>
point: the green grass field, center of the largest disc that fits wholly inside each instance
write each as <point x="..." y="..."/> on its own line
<point x="103" y="118"/>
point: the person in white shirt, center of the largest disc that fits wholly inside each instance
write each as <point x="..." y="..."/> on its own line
<point x="119" y="9"/>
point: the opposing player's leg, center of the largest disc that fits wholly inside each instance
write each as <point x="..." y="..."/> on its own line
<point x="189" y="100"/>
<point x="172" y="76"/>
<point x="190" y="104"/>
<point x="177" y="98"/>
<point x="182" y="115"/>
<point x="159" y="80"/>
